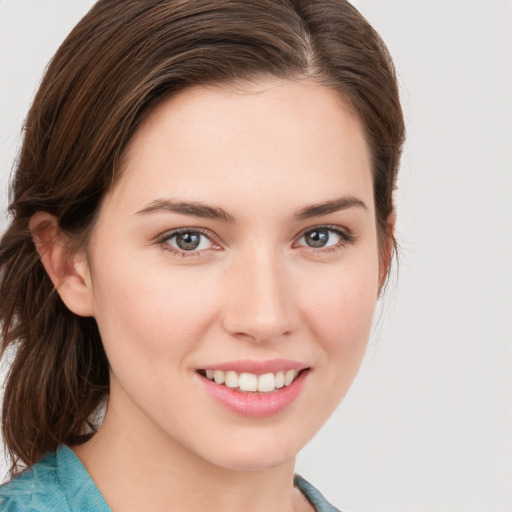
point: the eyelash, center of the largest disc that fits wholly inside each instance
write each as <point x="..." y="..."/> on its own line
<point x="163" y="241"/>
<point x="345" y="239"/>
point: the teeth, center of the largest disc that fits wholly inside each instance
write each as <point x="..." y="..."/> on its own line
<point x="219" y="377"/>
<point x="250" y="382"/>
<point x="288" y="378"/>
<point x="232" y="379"/>
<point x="266" y="383"/>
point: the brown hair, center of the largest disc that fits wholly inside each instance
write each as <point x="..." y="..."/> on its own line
<point x="120" y="60"/>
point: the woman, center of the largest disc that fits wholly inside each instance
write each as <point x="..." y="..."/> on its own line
<point x="202" y="224"/>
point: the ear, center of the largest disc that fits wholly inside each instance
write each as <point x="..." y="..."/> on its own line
<point x="68" y="271"/>
<point x="387" y="251"/>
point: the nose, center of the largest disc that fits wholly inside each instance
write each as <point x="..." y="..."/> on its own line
<point x="259" y="299"/>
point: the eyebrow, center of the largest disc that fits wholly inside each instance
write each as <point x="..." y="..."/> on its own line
<point x="204" y="211"/>
<point x="332" y="206"/>
<point x="195" y="209"/>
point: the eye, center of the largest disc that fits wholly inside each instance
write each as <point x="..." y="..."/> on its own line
<point x="187" y="240"/>
<point x="324" y="237"/>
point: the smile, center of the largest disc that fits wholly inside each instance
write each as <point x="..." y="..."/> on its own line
<point x="254" y="389"/>
<point x="250" y="382"/>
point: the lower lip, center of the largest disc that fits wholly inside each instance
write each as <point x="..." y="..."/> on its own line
<point x="255" y="404"/>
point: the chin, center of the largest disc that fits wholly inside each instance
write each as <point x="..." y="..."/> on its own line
<point x="258" y="452"/>
<point x="253" y="461"/>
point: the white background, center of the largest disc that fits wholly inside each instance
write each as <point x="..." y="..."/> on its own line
<point x="427" y="426"/>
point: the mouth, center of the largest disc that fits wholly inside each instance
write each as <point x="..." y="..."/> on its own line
<point x="254" y="389"/>
<point x="245" y="382"/>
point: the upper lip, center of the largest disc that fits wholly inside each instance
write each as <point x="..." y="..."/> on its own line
<point x="257" y="367"/>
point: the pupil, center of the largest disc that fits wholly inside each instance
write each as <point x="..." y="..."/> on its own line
<point x="317" y="238"/>
<point x="188" y="241"/>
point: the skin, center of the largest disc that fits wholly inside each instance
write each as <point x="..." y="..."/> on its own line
<point x="253" y="290"/>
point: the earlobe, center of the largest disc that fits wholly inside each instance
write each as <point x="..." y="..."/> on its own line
<point x="68" y="271"/>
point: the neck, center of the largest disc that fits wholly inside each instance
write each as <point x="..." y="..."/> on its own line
<point x="153" y="472"/>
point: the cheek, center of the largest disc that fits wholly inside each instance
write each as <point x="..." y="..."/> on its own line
<point x="339" y="314"/>
<point x="149" y="317"/>
<point x="340" y="311"/>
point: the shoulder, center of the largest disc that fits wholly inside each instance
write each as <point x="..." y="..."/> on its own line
<point x="35" y="489"/>
<point x="314" y="496"/>
<point x="57" y="483"/>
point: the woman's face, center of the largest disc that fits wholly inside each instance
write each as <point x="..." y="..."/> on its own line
<point x="240" y="245"/>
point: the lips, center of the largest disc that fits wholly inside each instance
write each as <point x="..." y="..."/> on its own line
<point x="255" y="388"/>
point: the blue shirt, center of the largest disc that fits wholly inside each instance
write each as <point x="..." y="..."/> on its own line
<point x="60" y="483"/>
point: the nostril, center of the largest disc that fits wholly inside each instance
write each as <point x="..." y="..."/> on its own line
<point x="260" y="328"/>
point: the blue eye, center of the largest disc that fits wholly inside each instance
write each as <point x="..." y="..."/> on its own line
<point x="323" y="237"/>
<point x="188" y="240"/>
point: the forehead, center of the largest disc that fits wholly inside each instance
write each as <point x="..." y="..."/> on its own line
<point x="248" y="141"/>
